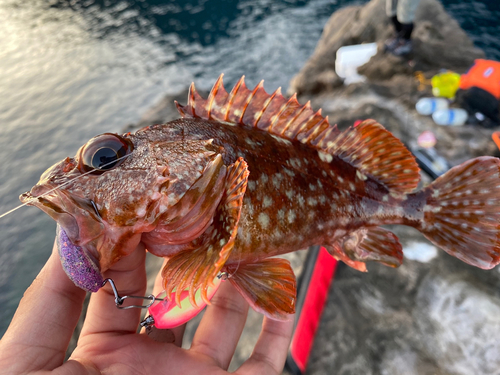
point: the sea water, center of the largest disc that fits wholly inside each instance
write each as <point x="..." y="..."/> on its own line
<point x="72" y="69"/>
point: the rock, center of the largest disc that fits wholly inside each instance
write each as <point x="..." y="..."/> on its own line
<point x="439" y="43"/>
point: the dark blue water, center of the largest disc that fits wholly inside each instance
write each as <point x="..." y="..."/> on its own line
<point x="72" y="69"/>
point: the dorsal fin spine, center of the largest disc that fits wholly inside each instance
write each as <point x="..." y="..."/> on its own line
<point x="249" y="99"/>
<point x="179" y="108"/>
<point x="292" y="101"/>
<point x="232" y="95"/>
<point x="265" y="105"/>
<point x="191" y="101"/>
<point x="299" y="112"/>
<point x="277" y="116"/>
<point x="211" y="97"/>
<point x="275" y="94"/>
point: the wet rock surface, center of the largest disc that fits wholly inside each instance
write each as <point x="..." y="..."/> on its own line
<point x="434" y="314"/>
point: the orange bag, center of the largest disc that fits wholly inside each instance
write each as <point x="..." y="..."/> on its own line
<point x="484" y="74"/>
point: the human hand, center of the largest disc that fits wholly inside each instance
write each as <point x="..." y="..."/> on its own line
<point x="41" y="329"/>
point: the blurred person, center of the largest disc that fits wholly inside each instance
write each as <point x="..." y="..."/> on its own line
<point x="402" y="15"/>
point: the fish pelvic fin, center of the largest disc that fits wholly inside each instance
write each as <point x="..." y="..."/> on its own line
<point x="462" y="212"/>
<point x="368" y="244"/>
<point x="369" y="146"/>
<point x="268" y="286"/>
<point x="195" y="268"/>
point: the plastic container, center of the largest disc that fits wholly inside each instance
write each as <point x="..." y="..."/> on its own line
<point x="427" y="106"/>
<point x="445" y="84"/>
<point x="349" y="58"/>
<point x="452" y="116"/>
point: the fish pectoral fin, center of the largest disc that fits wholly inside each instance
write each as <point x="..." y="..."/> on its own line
<point x="369" y="244"/>
<point x="195" y="268"/>
<point x="268" y="286"/>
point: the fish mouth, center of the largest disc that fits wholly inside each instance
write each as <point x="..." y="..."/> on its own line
<point x="77" y="216"/>
<point x="78" y="263"/>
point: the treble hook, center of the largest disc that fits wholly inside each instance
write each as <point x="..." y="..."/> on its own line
<point x="119" y="300"/>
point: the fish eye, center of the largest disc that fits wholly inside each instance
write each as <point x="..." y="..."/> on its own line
<point x="103" y="153"/>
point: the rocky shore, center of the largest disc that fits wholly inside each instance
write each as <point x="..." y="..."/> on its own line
<point x="434" y="314"/>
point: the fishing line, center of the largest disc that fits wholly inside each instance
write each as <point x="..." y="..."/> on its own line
<point x="64" y="184"/>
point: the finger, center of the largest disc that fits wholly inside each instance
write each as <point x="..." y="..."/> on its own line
<point x="172" y="335"/>
<point x="270" y="352"/>
<point x="44" y="321"/>
<point x="221" y="326"/>
<point x="129" y="276"/>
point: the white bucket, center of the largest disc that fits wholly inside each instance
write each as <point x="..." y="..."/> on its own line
<point x="349" y="58"/>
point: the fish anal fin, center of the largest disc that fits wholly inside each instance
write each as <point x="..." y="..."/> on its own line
<point x="195" y="267"/>
<point x="338" y="253"/>
<point x="373" y="244"/>
<point x="269" y="286"/>
<point x="368" y="244"/>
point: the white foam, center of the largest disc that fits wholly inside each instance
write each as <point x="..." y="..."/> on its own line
<point x="420" y="251"/>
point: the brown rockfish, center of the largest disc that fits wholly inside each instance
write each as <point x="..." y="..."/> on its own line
<point x="245" y="176"/>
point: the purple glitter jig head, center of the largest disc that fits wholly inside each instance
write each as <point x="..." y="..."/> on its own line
<point x="77" y="264"/>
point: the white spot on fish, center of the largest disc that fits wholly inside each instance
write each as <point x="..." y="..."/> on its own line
<point x="325" y="157"/>
<point x="300" y="200"/>
<point x="267" y="201"/>
<point x="361" y="176"/>
<point x="279" y="139"/>
<point x="435" y="193"/>
<point x="312" y="202"/>
<point x="250" y="142"/>
<point x="277" y="180"/>
<point x="251" y="185"/>
<point x="263" y="220"/>
<point x="281" y="214"/>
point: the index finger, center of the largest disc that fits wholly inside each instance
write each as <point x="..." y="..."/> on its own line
<point x="44" y="321"/>
<point x="269" y="354"/>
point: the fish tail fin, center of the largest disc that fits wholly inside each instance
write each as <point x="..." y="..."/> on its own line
<point x="462" y="212"/>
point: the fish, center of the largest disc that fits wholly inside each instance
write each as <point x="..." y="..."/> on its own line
<point x="245" y="176"/>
